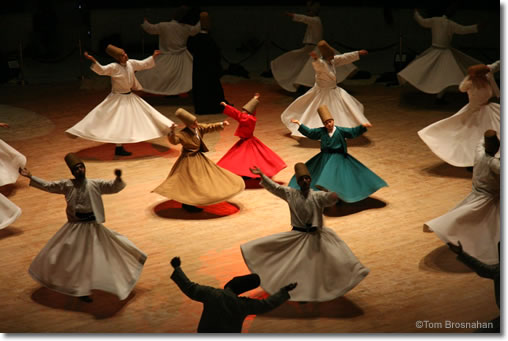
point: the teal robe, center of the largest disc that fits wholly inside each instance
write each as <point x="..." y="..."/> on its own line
<point x="334" y="169"/>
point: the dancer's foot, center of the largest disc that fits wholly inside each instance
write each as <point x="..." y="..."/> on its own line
<point x="192" y="209"/>
<point x="86" y="299"/>
<point x="120" y="151"/>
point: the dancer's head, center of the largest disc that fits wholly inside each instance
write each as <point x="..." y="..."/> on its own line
<point x="491" y="142"/>
<point x="326" y="118"/>
<point x="302" y="175"/>
<point x="326" y="50"/>
<point x="313" y="8"/>
<point x="241" y="284"/>
<point x="187" y="118"/>
<point x="478" y="74"/>
<point x="250" y="106"/>
<point x="76" y="165"/>
<point x="117" y="53"/>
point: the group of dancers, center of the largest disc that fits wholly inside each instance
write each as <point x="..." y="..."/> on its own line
<point x="311" y="261"/>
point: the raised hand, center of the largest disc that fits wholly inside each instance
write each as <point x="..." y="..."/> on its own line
<point x="4" y="125"/>
<point x="223" y="104"/>
<point x="175" y="262"/>
<point x="313" y="55"/>
<point x="226" y="123"/>
<point x="367" y="125"/>
<point x="255" y="170"/>
<point x="295" y="121"/>
<point x="363" y="52"/>
<point x="257" y="95"/>
<point x="118" y="173"/>
<point x="90" y="57"/>
<point x="290" y="286"/>
<point x="25" y="172"/>
<point x="456" y="248"/>
<point x="156" y="53"/>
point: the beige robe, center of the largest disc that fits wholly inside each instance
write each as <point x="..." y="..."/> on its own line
<point x="195" y="179"/>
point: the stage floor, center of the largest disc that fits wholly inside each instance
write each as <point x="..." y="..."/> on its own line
<point x="413" y="276"/>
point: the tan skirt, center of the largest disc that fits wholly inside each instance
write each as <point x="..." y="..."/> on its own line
<point x="196" y="180"/>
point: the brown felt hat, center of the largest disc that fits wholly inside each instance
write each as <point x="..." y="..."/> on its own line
<point x="204" y="19"/>
<point x="301" y="170"/>
<point x="72" y="160"/>
<point x="478" y="70"/>
<point x="491" y="142"/>
<point x="325" y="49"/>
<point x="186" y="117"/>
<point x="324" y="113"/>
<point x="251" y="105"/>
<point x="114" y="51"/>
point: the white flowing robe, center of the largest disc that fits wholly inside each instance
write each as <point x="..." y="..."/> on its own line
<point x="294" y="68"/>
<point x="172" y="75"/>
<point x="123" y="117"/>
<point x="476" y="221"/>
<point x="85" y="255"/>
<point x="345" y="109"/>
<point x="10" y="161"/>
<point x="440" y="66"/>
<point x="454" y="139"/>
<point x="320" y="262"/>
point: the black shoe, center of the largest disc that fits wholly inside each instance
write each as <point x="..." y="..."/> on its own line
<point x="86" y="299"/>
<point x="191" y="209"/>
<point x="120" y="151"/>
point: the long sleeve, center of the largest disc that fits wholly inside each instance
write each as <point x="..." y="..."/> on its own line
<point x="482" y="269"/>
<point x="495" y="165"/>
<point x="304" y="18"/>
<point x="111" y="186"/>
<point x="495" y="67"/>
<point x="205" y="128"/>
<point x="151" y="28"/>
<point x="193" y="290"/>
<point x="466" y="84"/>
<point x="102" y="70"/>
<point x="462" y="29"/>
<point x="173" y="138"/>
<point x="49" y="186"/>
<point x="194" y="29"/>
<point x="422" y="21"/>
<point x="253" y="306"/>
<point x="345" y="58"/>
<point x="273" y="187"/>
<point x="311" y="133"/>
<point x="232" y="112"/>
<point x="144" y="64"/>
<point x="350" y="133"/>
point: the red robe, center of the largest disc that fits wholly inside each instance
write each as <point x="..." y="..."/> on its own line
<point x="249" y="151"/>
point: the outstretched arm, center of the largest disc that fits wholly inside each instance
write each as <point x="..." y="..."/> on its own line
<point x="47" y="186"/>
<point x="252" y="306"/>
<point x="193" y="290"/>
<point x="150" y="28"/>
<point x="112" y="186"/>
<point x="270" y="185"/>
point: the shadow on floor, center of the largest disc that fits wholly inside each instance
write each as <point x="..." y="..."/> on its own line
<point x="444" y="169"/>
<point x="104" y="304"/>
<point x="10" y="231"/>
<point x="173" y="210"/>
<point x="338" y="308"/>
<point x="106" y="152"/>
<point x="342" y="208"/>
<point x="442" y="259"/>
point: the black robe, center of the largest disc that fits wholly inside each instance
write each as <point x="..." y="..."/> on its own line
<point x="207" y="92"/>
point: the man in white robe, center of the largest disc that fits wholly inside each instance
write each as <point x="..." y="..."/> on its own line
<point x="476" y="221"/>
<point x="84" y="255"/>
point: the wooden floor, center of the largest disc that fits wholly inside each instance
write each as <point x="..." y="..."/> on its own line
<point x="413" y="275"/>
